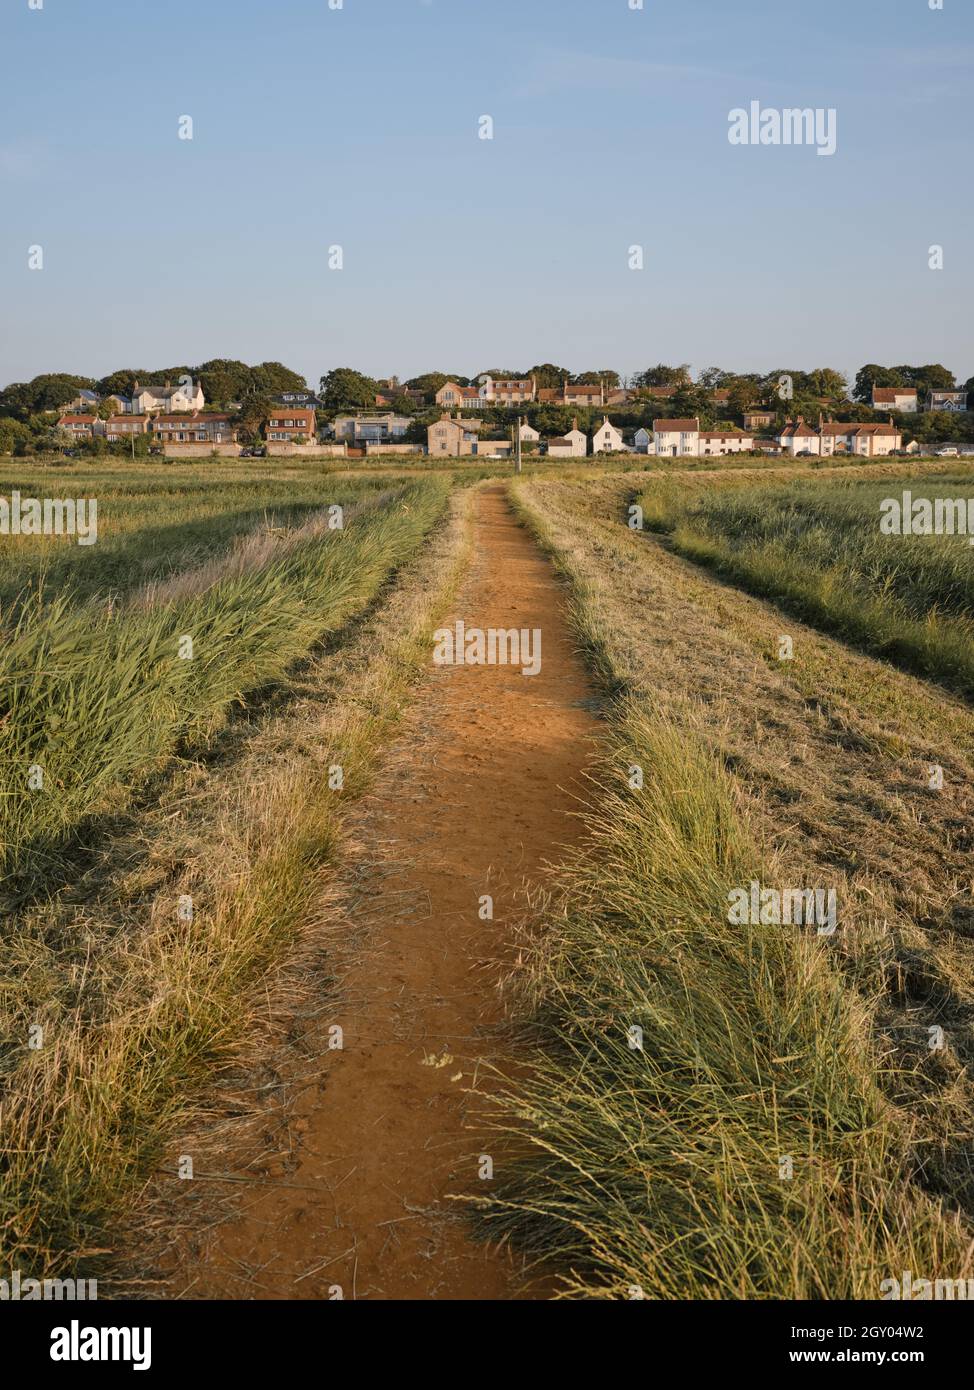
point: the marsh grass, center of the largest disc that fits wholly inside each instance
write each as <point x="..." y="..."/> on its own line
<point x="99" y="696"/>
<point x="815" y="549"/>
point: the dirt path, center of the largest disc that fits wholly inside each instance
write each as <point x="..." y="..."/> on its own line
<point x="475" y="797"/>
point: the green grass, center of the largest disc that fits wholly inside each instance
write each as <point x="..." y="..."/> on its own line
<point x="656" y="1169"/>
<point x="144" y="1013"/>
<point x="97" y="697"/>
<point x="815" y="548"/>
<point x="151" y="524"/>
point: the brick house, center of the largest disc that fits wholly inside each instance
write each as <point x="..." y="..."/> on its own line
<point x="124" y="426"/>
<point x="289" y="423"/>
<point x="757" y="419"/>
<point x="81" y="426"/>
<point x="193" y="429"/>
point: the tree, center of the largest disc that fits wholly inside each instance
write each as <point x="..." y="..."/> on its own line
<point x="345" y="389"/>
<point x="50" y="391"/>
<point x="120" y="383"/>
<point x="825" y="381"/>
<point x="548" y="376"/>
<point x="430" y="382"/>
<point x="607" y="377"/>
<point x="253" y="416"/>
<point x="713" y="378"/>
<point x="661" y="375"/>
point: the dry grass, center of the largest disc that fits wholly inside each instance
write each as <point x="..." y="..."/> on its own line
<point x="143" y="1013"/>
<point x="743" y="761"/>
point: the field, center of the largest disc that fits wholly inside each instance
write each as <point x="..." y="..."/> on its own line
<point x="215" y="853"/>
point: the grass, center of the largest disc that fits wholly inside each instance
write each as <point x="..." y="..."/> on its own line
<point x="98" y="697"/>
<point x="815" y="549"/>
<point x="144" y="1013"/>
<point x="657" y="1170"/>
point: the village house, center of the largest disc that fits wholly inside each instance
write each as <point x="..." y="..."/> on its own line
<point x="902" y="398"/>
<point x="84" y="400"/>
<point x="509" y="391"/>
<point x="528" y="434"/>
<point x="574" y="444"/>
<point x="722" y="442"/>
<point x="675" y="438"/>
<point x="371" y="429"/>
<point x="686" y="441"/>
<point x="953" y="401"/>
<point x="289" y="423"/>
<point x="451" y="396"/>
<point x="607" y="439"/>
<point x="755" y="419"/>
<point x="81" y="426"/>
<point x="193" y="429"/>
<point x="168" y="398"/>
<point x="837" y="437"/>
<point x="454" y="436"/>
<point x="124" y="426"/>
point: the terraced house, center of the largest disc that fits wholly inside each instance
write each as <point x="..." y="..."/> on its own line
<point x="194" y="429"/>
<point x="838" y="437"/>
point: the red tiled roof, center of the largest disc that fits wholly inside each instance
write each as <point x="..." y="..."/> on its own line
<point x="676" y="426"/>
<point x="886" y="395"/>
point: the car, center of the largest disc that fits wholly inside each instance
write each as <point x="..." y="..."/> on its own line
<point x="946" y="453"/>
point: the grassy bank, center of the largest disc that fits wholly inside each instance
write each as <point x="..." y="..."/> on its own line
<point x="95" y="697"/>
<point x="661" y="1170"/>
<point x="816" y="549"/>
<point x="143" y="1012"/>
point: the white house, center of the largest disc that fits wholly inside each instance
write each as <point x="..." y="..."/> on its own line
<point x="675" y="438"/>
<point x="607" y="439"/>
<point x="528" y="435"/>
<point x="901" y="398"/>
<point x="643" y="441"/>
<point x="721" y="442"/>
<point x="574" y="444"/>
<point x="168" y="398"/>
<point x="868" y="441"/>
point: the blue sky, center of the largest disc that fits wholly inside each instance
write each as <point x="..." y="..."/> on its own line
<point x="359" y="127"/>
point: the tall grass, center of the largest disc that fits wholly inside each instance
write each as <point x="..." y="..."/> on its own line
<point x="143" y="1012"/>
<point x="150" y="525"/>
<point x="96" y="698"/>
<point x="816" y="549"/>
<point x="657" y="1170"/>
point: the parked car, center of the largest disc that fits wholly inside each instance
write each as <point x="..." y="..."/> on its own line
<point x="946" y="453"/>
